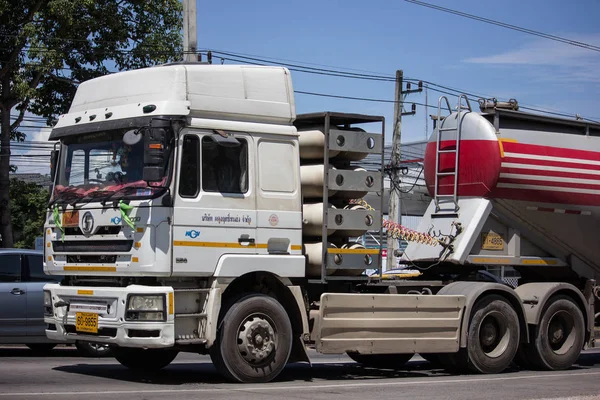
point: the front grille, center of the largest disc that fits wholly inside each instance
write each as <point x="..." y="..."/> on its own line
<point x="103" y="259"/>
<point x="109" y="332"/>
<point x="108" y="230"/>
<point x="92" y="246"/>
<point x="101" y="230"/>
<point x="133" y="333"/>
<point x="73" y="231"/>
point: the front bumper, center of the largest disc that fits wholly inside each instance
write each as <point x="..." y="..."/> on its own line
<point x="112" y="326"/>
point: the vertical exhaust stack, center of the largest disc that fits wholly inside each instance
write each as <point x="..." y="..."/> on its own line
<point x="330" y="145"/>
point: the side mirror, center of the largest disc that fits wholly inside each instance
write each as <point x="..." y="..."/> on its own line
<point x="53" y="163"/>
<point x="155" y="141"/>
<point x="132" y="137"/>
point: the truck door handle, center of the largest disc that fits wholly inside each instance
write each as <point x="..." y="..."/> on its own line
<point x="243" y="240"/>
<point x="17" y="292"/>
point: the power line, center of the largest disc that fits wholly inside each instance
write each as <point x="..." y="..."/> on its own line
<point x="317" y="70"/>
<point x="344" y="97"/>
<point x="254" y="60"/>
<point x="432" y="85"/>
<point x="278" y="60"/>
<point x="508" y="26"/>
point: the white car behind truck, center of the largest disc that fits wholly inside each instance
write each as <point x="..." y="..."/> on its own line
<point x="193" y="210"/>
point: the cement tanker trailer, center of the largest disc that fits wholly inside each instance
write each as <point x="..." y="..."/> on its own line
<point x="518" y="190"/>
<point x="226" y="227"/>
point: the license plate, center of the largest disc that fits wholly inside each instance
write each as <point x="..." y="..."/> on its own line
<point x="86" y="322"/>
<point x="70" y="218"/>
<point x="492" y="241"/>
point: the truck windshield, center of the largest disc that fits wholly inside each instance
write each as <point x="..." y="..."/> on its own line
<point x="100" y="166"/>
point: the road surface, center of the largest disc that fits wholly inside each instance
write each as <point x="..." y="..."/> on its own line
<point x="62" y="374"/>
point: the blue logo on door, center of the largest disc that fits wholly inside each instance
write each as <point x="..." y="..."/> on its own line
<point x="115" y="220"/>
<point x="192" y="234"/>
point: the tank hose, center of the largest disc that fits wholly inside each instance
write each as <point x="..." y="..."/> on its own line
<point x="398" y="231"/>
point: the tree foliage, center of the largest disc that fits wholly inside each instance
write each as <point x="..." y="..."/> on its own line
<point x="48" y="46"/>
<point x="28" y="203"/>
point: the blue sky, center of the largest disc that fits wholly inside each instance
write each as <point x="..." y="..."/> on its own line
<point x="383" y="36"/>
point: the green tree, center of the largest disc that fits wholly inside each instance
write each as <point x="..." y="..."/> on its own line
<point x="28" y="203"/>
<point x="48" y="46"/>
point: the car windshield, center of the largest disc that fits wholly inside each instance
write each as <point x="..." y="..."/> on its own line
<point x="99" y="166"/>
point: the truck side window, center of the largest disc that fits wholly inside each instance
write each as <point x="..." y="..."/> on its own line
<point x="10" y="268"/>
<point x="189" y="176"/>
<point x="224" y="169"/>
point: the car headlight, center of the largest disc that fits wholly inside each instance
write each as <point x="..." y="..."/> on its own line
<point x="145" y="307"/>
<point x="47" y="303"/>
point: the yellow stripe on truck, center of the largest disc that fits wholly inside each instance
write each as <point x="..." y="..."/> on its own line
<point x="228" y="245"/>
<point x="216" y="244"/>
<point x="90" y="268"/>
<point x="171" y="304"/>
<point x="500" y="141"/>
<point x="353" y="251"/>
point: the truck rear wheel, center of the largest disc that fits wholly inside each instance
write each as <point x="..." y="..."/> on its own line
<point x="386" y="361"/>
<point x="493" y="336"/>
<point x="144" y="359"/>
<point x="254" y="340"/>
<point x="559" y="336"/>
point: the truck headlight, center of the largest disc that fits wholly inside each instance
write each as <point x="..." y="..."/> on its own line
<point x="145" y="307"/>
<point x="47" y="303"/>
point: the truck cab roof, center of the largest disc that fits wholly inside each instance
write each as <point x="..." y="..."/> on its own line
<point x="227" y="92"/>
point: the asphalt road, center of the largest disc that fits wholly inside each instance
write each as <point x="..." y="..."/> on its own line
<point x="63" y="375"/>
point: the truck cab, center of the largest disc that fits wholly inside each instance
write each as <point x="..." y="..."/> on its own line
<point x="167" y="177"/>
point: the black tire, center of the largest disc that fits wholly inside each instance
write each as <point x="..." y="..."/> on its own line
<point x="455" y="362"/>
<point x="41" y="347"/>
<point x="91" y="349"/>
<point x="493" y="336"/>
<point x="237" y="356"/>
<point x="559" y="336"/>
<point x="385" y="361"/>
<point x="147" y="360"/>
<point x="522" y="359"/>
<point x="432" y="358"/>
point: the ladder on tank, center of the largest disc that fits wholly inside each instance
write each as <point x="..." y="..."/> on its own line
<point x="448" y="198"/>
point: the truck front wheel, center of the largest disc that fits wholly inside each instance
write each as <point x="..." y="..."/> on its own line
<point x="559" y="336"/>
<point x="144" y="359"/>
<point x="254" y="340"/>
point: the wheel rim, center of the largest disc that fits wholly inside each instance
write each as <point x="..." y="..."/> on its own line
<point x="561" y="334"/>
<point x="494" y="335"/>
<point x="99" y="347"/>
<point x="257" y="340"/>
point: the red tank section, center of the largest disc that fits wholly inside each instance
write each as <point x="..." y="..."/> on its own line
<point x="537" y="164"/>
<point x="548" y="174"/>
<point x="478" y="167"/>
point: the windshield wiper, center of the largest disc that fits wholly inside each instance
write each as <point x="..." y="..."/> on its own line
<point x="64" y="196"/>
<point x="93" y="196"/>
<point x="125" y="191"/>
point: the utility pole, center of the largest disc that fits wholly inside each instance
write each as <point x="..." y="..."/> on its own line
<point x="394" y="212"/>
<point x="190" y="44"/>
<point x="426" y="114"/>
<point x="394" y="204"/>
